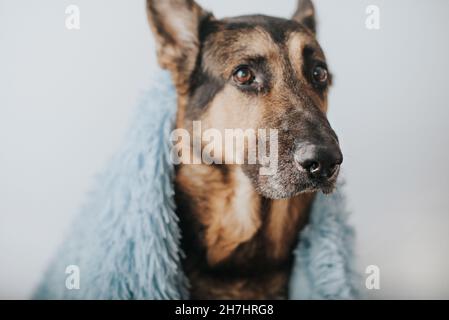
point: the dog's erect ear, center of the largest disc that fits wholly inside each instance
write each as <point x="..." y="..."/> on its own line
<point x="305" y="14"/>
<point x="176" y="24"/>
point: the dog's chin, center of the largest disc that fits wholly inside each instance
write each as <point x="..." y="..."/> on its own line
<point x="289" y="190"/>
<point x="288" y="184"/>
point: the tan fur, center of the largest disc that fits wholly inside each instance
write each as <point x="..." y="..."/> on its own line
<point x="179" y="41"/>
<point x="286" y="215"/>
<point x="251" y="43"/>
<point x="232" y="215"/>
<point x="295" y="44"/>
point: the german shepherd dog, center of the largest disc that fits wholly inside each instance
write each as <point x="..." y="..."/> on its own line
<point x="239" y="228"/>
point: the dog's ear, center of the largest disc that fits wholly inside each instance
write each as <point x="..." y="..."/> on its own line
<point x="305" y="14"/>
<point x="176" y="24"/>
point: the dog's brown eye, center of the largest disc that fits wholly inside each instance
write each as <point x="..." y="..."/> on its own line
<point x="320" y="75"/>
<point x="244" y="75"/>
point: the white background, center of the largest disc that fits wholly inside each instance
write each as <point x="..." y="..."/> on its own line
<point x="66" y="98"/>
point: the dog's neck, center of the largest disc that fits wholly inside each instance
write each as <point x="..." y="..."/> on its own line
<point x="222" y="213"/>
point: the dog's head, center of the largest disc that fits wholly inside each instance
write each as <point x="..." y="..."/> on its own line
<point x="254" y="72"/>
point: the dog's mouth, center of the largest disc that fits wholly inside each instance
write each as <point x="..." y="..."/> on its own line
<point x="326" y="186"/>
<point x="323" y="184"/>
<point x="289" y="182"/>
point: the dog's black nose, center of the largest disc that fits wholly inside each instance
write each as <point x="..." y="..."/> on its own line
<point x="320" y="161"/>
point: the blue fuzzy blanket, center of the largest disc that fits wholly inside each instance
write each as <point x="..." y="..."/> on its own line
<point x="126" y="240"/>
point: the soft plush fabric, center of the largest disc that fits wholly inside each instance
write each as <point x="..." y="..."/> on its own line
<point x="126" y="239"/>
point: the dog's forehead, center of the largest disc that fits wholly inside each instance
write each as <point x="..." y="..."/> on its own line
<point x="235" y="38"/>
<point x="278" y="28"/>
